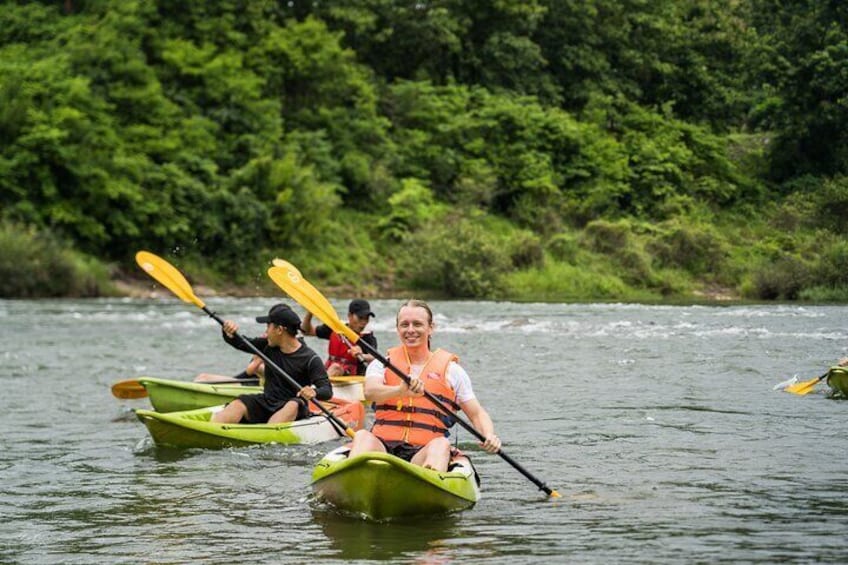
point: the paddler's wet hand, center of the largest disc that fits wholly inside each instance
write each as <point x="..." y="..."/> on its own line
<point x="416" y="387"/>
<point x="492" y="444"/>
<point x="230" y="328"/>
<point x="307" y="393"/>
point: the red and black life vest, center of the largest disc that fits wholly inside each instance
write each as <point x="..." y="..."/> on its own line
<point x="337" y="352"/>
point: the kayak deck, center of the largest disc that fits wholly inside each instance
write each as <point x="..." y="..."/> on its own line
<point x="379" y="486"/>
<point x="194" y="428"/>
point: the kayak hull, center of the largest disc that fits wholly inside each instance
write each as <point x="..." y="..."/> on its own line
<point x="350" y="388"/>
<point x="837" y="380"/>
<point x="194" y="428"/>
<point x="379" y="486"/>
<point x="168" y="395"/>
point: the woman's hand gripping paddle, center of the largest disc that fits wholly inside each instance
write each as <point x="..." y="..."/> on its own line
<point x="169" y="277"/>
<point x="293" y="283"/>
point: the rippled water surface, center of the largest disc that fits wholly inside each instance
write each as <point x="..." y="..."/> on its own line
<point x="657" y="424"/>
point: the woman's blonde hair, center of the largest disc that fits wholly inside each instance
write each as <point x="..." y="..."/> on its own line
<point x="415" y="303"/>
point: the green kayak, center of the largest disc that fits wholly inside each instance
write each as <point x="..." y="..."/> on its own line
<point x="837" y="380"/>
<point x="193" y="428"/>
<point x="380" y="486"/>
<point x="168" y="395"/>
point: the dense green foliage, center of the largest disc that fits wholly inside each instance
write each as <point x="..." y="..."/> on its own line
<point x="528" y="149"/>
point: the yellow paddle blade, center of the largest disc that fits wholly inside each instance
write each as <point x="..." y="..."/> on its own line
<point x="129" y="389"/>
<point x="806" y="387"/>
<point x="168" y="276"/>
<point x="293" y="283"/>
<point x="277" y="262"/>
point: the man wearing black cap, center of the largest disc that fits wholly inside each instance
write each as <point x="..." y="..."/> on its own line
<point x="343" y="357"/>
<point x="278" y="402"/>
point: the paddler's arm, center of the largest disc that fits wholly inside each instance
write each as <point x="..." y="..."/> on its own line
<point x="482" y="422"/>
<point x="229" y="329"/>
<point x="319" y="379"/>
<point x="306" y="325"/>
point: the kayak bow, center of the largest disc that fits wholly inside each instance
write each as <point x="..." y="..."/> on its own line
<point x="379" y="486"/>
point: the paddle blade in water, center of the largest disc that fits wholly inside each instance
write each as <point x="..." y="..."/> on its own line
<point x="786" y="383"/>
<point x="806" y="387"/>
<point x="168" y="276"/>
<point x="129" y="389"/>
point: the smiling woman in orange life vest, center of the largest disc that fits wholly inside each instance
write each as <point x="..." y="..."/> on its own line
<point x="406" y="423"/>
<point x="344" y="358"/>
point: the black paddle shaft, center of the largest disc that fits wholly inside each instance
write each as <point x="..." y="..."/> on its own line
<point x="338" y="425"/>
<point x="449" y="413"/>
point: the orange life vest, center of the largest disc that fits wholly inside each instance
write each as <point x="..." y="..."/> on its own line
<point x="416" y="420"/>
<point x="337" y="353"/>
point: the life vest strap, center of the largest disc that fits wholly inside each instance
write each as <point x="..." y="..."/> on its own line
<point x="410" y="410"/>
<point x="409" y="424"/>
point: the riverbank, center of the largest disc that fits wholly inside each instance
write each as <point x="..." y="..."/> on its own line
<point x="133" y="287"/>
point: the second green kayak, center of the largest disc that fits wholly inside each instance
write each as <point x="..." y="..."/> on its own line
<point x="379" y="486"/>
<point x="169" y="395"/>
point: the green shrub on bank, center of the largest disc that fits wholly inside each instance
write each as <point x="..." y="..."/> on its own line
<point x="456" y="257"/>
<point x="36" y="265"/>
<point x="783" y="279"/>
<point x="697" y="249"/>
<point x="562" y="282"/>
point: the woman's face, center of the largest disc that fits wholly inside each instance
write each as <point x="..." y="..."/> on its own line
<point x="414" y="326"/>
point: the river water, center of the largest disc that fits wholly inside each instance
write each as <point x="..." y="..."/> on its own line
<point x="657" y="424"/>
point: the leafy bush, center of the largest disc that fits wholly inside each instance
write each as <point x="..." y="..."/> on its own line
<point x="409" y="208"/>
<point x="456" y="257"/>
<point x="832" y="270"/>
<point x="832" y="205"/>
<point x="782" y="280"/>
<point x="525" y="250"/>
<point x="564" y="247"/>
<point x="34" y="264"/>
<point x="606" y="237"/>
<point x="699" y="250"/>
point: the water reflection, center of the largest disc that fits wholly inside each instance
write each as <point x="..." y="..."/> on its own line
<point x="426" y="540"/>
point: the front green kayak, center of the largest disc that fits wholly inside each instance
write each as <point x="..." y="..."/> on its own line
<point x="380" y="486"/>
<point x="837" y="379"/>
<point x="193" y="428"/>
<point x="168" y="395"/>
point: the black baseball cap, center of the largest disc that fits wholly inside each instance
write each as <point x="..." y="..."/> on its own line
<point x="360" y="307"/>
<point x="281" y="315"/>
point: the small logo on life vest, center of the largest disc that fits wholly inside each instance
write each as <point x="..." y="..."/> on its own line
<point x="432" y="375"/>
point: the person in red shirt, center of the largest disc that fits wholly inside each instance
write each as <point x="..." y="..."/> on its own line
<point x="344" y="358"/>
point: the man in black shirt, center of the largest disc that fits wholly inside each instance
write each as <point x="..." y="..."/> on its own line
<point x="278" y="402"/>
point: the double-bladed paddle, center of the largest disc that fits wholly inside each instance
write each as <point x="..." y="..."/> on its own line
<point x="168" y="276"/>
<point x="806" y="387"/>
<point x="132" y="388"/>
<point x="302" y="291"/>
